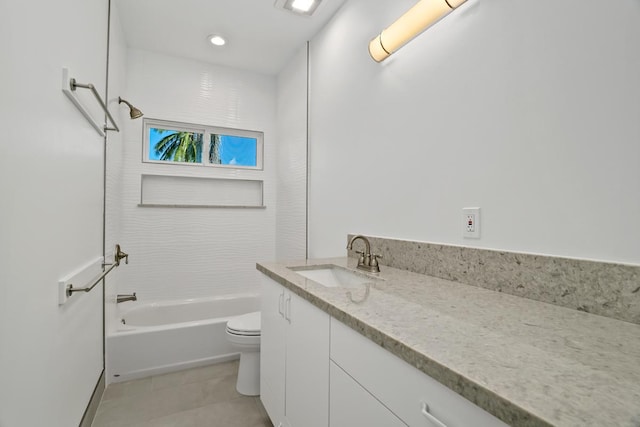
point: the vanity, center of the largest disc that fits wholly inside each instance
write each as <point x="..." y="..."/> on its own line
<point x="342" y="348"/>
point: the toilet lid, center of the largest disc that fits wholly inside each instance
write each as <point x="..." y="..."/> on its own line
<point x="246" y="324"/>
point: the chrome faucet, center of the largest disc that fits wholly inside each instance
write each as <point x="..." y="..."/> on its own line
<point x="367" y="260"/>
<point x="124" y="297"/>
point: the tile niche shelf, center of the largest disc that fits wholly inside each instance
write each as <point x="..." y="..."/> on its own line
<point x="198" y="192"/>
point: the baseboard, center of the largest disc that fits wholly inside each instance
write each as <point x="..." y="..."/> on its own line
<point x="92" y="407"/>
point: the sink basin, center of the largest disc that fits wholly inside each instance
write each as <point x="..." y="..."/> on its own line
<point x="333" y="276"/>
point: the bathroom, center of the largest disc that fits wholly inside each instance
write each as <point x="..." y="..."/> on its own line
<point x="527" y="110"/>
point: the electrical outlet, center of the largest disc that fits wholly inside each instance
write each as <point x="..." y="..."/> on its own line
<point x="471" y="223"/>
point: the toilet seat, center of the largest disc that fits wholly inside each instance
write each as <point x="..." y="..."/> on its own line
<point x="247" y="325"/>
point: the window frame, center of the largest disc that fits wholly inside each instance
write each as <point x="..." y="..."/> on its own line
<point x="206" y="131"/>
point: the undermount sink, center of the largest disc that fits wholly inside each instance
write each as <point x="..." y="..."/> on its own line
<point x="333" y="276"/>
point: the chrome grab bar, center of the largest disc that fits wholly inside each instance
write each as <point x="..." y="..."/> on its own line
<point x="118" y="255"/>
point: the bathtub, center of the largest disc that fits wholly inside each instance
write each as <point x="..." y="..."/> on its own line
<point x="159" y="337"/>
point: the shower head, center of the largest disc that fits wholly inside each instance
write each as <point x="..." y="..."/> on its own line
<point x="134" y="113"/>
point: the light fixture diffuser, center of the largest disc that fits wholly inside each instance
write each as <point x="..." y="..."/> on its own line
<point x="216" y="40"/>
<point x="417" y="19"/>
<point x="299" y="7"/>
<point x="302" y="5"/>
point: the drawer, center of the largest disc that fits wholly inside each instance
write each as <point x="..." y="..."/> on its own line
<point x="401" y="387"/>
<point x="351" y="405"/>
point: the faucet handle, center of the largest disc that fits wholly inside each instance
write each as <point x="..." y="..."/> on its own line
<point x="361" y="258"/>
<point x="374" y="259"/>
<point x="119" y="254"/>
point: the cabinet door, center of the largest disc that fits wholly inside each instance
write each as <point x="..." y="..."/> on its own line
<point x="307" y="378"/>
<point x="352" y="405"/>
<point x="272" y="350"/>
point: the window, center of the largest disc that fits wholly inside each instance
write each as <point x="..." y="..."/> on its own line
<point x="181" y="143"/>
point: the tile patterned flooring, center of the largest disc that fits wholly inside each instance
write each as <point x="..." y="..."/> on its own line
<point x="199" y="397"/>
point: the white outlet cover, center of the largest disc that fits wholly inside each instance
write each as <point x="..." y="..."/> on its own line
<point x="471" y="231"/>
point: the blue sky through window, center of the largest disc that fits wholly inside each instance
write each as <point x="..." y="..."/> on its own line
<point x="234" y="150"/>
<point x="238" y="150"/>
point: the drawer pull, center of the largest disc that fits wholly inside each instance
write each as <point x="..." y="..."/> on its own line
<point x="427" y="415"/>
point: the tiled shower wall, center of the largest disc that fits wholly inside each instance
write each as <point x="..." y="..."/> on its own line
<point x="195" y="252"/>
<point x="114" y="155"/>
<point x="292" y="159"/>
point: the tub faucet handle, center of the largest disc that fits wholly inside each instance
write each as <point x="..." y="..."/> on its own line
<point x="120" y="255"/>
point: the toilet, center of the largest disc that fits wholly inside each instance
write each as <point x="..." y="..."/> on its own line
<point x="244" y="334"/>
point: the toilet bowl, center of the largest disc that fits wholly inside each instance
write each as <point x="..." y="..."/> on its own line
<point x="244" y="333"/>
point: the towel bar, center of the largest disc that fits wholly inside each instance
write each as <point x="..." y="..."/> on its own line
<point x="69" y="85"/>
<point x="116" y="262"/>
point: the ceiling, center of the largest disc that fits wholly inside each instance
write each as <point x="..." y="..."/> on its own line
<point x="260" y="37"/>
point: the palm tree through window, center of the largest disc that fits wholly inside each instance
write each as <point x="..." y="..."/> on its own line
<point x="173" y="142"/>
<point x="179" y="146"/>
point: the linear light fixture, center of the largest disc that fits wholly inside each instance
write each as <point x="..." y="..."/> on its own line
<point x="417" y="19"/>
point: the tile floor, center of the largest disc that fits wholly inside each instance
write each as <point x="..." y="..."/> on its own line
<point x="199" y="397"/>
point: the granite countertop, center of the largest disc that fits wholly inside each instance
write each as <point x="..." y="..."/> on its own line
<point x="528" y="363"/>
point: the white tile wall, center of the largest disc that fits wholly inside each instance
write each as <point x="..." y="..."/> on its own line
<point x="292" y="158"/>
<point x="115" y="156"/>
<point x="193" y="252"/>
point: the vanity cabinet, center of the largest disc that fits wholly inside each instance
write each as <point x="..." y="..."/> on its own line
<point x="294" y="356"/>
<point x="317" y="372"/>
<point x="415" y="398"/>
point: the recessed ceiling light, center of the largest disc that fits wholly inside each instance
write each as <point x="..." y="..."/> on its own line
<point x="302" y="5"/>
<point x="216" y="40"/>
<point x="299" y="7"/>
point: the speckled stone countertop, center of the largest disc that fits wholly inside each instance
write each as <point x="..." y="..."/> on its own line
<point x="528" y="363"/>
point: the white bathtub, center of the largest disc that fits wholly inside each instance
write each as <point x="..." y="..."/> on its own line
<point x="161" y="337"/>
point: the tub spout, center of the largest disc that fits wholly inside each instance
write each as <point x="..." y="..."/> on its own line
<point x="126" y="297"/>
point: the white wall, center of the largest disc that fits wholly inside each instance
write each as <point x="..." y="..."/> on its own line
<point x="527" y="109"/>
<point x="51" y="216"/>
<point x="291" y="234"/>
<point x="194" y="252"/>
